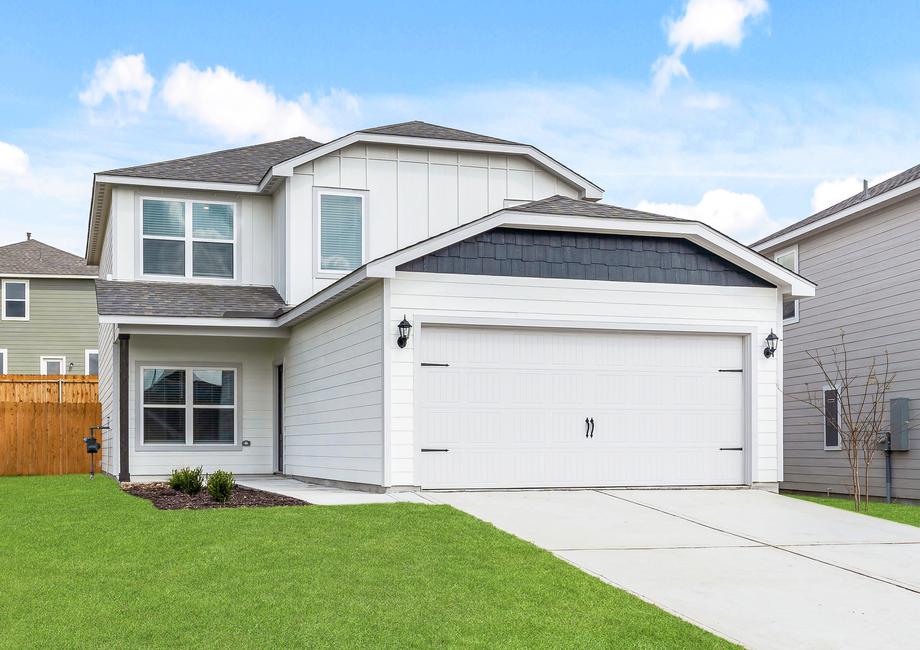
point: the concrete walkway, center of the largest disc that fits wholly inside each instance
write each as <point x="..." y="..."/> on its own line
<point x="764" y="570"/>
<point x="322" y="495"/>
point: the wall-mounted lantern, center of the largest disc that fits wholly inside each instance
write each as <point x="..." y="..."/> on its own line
<point x="770" y="349"/>
<point x="404" y="328"/>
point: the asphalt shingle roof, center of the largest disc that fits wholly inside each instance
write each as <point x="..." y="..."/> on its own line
<point x="898" y="180"/>
<point x="246" y="165"/>
<point x="563" y="205"/>
<point x="186" y="300"/>
<point x="417" y="129"/>
<point x="35" y="257"/>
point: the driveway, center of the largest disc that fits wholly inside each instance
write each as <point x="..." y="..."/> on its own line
<point x="764" y="570"/>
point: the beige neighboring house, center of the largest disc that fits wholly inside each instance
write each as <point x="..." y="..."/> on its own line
<point x="864" y="255"/>
<point x="48" y="319"/>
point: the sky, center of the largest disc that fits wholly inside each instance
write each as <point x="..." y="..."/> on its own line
<point x="746" y="114"/>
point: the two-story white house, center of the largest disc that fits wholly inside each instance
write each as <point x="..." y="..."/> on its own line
<point x="416" y="306"/>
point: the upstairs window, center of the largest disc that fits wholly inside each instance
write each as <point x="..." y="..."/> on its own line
<point x="178" y="246"/>
<point x="789" y="259"/>
<point x="341" y="231"/>
<point x="15" y="300"/>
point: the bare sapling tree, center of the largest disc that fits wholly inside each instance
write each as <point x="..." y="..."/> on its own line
<point x="862" y="386"/>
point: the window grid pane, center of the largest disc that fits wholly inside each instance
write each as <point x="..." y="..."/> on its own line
<point x="164" y="386"/>
<point x="15" y="308"/>
<point x="164" y="257"/>
<point x="341" y="228"/>
<point x="213" y="425"/>
<point x="212" y="260"/>
<point x="92" y="365"/>
<point x="15" y="290"/>
<point x="213" y="387"/>
<point x="212" y="221"/>
<point x="164" y="425"/>
<point x="164" y="218"/>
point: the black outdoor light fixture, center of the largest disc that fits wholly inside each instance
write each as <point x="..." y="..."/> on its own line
<point x="772" y="340"/>
<point x="404" y="328"/>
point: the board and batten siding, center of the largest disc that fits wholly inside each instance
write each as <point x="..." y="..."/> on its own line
<point x="62" y="322"/>
<point x="413" y="193"/>
<point x="255" y="358"/>
<point x="255" y="253"/>
<point x="868" y="274"/>
<point x="333" y="389"/>
<point x="556" y="302"/>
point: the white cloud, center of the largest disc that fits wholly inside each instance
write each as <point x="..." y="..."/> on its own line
<point x="123" y="81"/>
<point x="827" y="193"/>
<point x="704" y="23"/>
<point x="737" y="214"/>
<point x="14" y="162"/>
<point x="239" y="109"/>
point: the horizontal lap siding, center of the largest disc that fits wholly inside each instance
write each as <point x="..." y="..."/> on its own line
<point x="333" y="376"/>
<point x="867" y="273"/>
<point x="108" y="395"/>
<point x="255" y="356"/>
<point x="579" y="302"/>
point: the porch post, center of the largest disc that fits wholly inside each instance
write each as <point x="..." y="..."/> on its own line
<point x="123" y="377"/>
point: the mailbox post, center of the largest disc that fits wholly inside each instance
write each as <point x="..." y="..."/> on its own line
<point x="92" y="447"/>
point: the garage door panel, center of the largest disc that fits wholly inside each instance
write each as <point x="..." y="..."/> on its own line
<point x="511" y="406"/>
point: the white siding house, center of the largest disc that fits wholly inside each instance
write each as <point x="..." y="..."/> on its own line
<point x="252" y="301"/>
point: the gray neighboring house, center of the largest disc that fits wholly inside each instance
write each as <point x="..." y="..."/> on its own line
<point x="48" y="319"/>
<point x="864" y="255"/>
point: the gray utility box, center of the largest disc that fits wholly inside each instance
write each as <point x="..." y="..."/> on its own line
<point x="900" y="429"/>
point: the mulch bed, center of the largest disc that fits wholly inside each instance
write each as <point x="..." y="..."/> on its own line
<point x="165" y="498"/>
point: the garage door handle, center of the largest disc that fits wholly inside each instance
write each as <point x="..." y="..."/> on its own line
<point x="731" y="448"/>
<point x="592" y="427"/>
<point x="587" y="427"/>
<point x="423" y="449"/>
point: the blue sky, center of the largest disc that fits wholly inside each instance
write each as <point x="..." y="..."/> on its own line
<point x="745" y="113"/>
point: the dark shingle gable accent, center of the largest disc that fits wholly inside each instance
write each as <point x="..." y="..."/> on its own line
<point x="417" y="129"/>
<point x="180" y="299"/>
<point x="584" y="256"/>
<point x="246" y="165"/>
<point x="32" y="257"/>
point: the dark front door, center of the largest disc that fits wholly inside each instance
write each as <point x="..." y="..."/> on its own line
<point x="280" y="415"/>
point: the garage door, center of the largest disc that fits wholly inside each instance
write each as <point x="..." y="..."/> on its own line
<point x="526" y="407"/>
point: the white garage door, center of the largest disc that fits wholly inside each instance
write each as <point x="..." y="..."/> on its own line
<point x="525" y="407"/>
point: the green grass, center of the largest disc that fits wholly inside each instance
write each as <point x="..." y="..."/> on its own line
<point x="83" y="564"/>
<point x="901" y="512"/>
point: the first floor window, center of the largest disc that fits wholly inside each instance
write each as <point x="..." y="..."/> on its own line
<point x="15" y="300"/>
<point x="53" y="365"/>
<point x="91" y="364"/>
<point x="341" y="232"/>
<point x="195" y="406"/>
<point x="831" y="418"/>
<point x="4" y="359"/>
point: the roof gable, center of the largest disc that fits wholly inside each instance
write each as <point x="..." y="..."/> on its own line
<point x="32" y="257"/>
<point x="418" y="129"/>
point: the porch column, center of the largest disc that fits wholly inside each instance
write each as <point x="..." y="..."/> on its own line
<point x="124" y="473"/>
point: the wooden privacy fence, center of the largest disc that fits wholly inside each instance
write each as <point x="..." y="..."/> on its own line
<point x="43" y="421"/>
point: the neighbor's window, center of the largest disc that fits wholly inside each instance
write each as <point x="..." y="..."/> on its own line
<point x="341" y="232"/>
<point x="15" y="300"/>
<point x="200" y="247"/>
<point x="831" y="418"/>
<point x="189" y="406"/>
<point x="789" y="259"/>
<point x="4" y="358"/>
<point x="91" y="362"/>
<point x="53" y="365"/>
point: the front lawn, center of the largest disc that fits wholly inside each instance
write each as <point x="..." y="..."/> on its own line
<point x="900" y="512"/>
<point x="83" y="564"/>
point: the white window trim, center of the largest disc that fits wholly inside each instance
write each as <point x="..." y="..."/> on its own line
<point x="318" y="192"/>
<point x="4" y="363"/>
<point x="189" y="408"/>
<point x="3" y="299"/>
<point x="52" y="357"/>
<point x="838" y="447"/>
<point x="794" y="249"/>
<point x="189" y="239"/>
<point x="86" y="354"/>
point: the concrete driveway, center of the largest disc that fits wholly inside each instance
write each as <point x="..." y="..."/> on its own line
<point x="764" y="570"/>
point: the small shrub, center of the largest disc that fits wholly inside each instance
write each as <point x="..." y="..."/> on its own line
<point x="187" y="480"/>
<point x="220" y="485"/>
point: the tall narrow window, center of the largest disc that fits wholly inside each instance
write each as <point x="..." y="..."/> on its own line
<point x="15" y="300"/>
<point x="341" y="232"/>
<point x="831" y="418"/>
<point x="200" y="247"/>
<point x="4" y="360"/>
<point x="789" y="259"/>
<point x="91" y="362"/>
